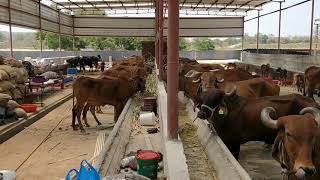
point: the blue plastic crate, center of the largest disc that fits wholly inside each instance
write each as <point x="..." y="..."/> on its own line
<point x="72" y="71"/>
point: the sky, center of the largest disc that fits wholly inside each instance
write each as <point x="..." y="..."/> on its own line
<point x="295" y="21"/>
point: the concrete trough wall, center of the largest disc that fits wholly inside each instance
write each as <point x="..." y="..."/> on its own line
<point x="175" y="166"/>
<point x="294" y="63"/>
<point x="225" y="165"/>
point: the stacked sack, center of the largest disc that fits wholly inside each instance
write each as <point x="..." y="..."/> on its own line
<point x="12" y="86"/>
<point x="13" y="110"/>
<point x="12" y="79"/>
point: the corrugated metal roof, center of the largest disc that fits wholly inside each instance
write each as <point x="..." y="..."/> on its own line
<point x="207" y="5"/>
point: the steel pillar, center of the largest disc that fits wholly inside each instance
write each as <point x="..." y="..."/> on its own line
<point x="279" y="30"/>
<point x="258" y="31"/>
<point x="317" y="39"/>
<point x="10" y="31"/>
<point x="173" y="65"/>
<point x="160" y="40"/>
<point x="59" y="32"/>
<point x="311" y="30"/>
<point x="156" y="41"/>
<point x="73" y="42"/>
<point x="40" y="29"/>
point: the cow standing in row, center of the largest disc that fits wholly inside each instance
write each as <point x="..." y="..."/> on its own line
<point x="84" y="61"/>
<point x="297" y="145"/>
<point x="311" y="81"/>
<point x="237" y="119"/>
<point x="265" y="70"/>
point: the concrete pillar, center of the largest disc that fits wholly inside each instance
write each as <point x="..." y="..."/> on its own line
<point x="160" y="40"/>
<point x="317" y="39"/>
<point x="40" y="29"/>
<point x="59" y="33"/>
<point x="173" y="66"/>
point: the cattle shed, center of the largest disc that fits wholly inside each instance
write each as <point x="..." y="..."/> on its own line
<point x="61" y="18"/>
<point x="217" y="18"/>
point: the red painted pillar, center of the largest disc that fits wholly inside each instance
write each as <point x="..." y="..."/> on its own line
<point x="160" y="40"/>
<point x="173" y="64"/>
<point x="156" y="41"/>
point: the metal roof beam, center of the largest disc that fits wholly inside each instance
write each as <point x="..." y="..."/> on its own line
<point x="244" y="4"/>
<point x="215" y="2"/>
<point x="197" y="4"/>
<point x="227" y="5"/>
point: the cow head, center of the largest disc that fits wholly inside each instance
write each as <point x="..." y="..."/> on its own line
<point x="213" y="102"/>
<point x="295" y="144"/>
<point x="209" y="80"/>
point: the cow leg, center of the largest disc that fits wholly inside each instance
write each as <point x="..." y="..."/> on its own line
<point x="79" y="109"/>
<point x="117" y="111"/>
<point x="84" y="114"/>
<point x="93" y="112"/>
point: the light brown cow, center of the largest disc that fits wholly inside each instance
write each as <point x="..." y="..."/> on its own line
<point x="296" y="146"/>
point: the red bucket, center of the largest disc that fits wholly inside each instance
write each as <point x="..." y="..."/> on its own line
<point x="29" y="108"/>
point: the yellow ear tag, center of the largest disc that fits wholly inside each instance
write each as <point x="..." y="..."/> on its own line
<point x="221" y="112"/>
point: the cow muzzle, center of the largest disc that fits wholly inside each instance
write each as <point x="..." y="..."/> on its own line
<point x="305" y="172"/>
<point x="202" y="114"/>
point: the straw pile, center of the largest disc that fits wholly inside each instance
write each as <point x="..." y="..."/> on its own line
<point x="151" y="85"/>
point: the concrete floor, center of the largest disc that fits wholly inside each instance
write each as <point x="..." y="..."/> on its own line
<point x="49" y="148"/>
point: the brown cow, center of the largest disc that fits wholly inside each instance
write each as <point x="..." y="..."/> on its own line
<point x="231" y="66"/>
<point x="209" y="78"/>
<point x="295" y="146"/>
<point x="265" y="70"/>
<point x="99" y="92"/>
<point x="298" y="82"/>
<point x="127" y="74"/>
<point x="256" y="87"/>
<point x="311" y="81"/>
<point x="237" y="119"/>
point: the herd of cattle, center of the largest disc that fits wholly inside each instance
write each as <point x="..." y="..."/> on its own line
<point x="243" y="107"/>
<point x="240" y="105"/>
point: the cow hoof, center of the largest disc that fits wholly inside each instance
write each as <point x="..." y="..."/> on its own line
<point x="99" y="123"/>
<point x="87" y="125"/>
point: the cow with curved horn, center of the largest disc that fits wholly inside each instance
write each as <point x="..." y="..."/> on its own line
<point x="296" y="146"/>
<point x="236" y="119"/>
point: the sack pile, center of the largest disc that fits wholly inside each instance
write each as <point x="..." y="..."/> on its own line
<point x="12" y="79"/>
<point x="12" y="108"/>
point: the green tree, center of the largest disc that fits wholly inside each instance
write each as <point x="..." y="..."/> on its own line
<point x="183" y="44"/>
<point x="203" y="44"/>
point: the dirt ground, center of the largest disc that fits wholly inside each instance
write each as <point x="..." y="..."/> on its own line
<point x="49" y="148"/>
<point x="197" y="160"/>
<point x="257" y="160"/>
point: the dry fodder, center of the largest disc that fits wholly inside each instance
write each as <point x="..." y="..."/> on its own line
<point x="138" y="102"/>
<point x="197" y="160"/>
<point x="151" y="85"/>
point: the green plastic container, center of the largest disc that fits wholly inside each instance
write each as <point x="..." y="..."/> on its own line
<point x="147" y="163"/>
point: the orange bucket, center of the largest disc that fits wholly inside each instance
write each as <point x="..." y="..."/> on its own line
<point x="29" y="108"/>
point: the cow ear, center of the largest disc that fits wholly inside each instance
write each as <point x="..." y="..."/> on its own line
<point x="278" y="146"/>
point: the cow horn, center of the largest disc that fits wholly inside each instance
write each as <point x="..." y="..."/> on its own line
<point x="220" y="80"/>
<point x="191" y="72"/>
<point x="266" y="119"/>
<point x="196" y="81"/>
<point x="314" y="111"/>
<point x="232" y="92"/>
